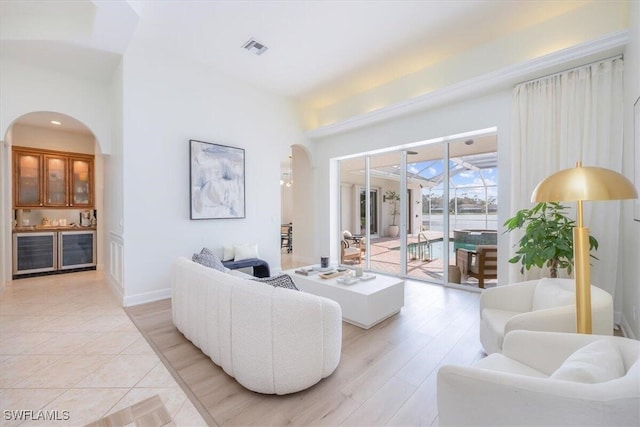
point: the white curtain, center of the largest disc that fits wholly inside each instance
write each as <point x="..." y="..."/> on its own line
<point x="558" y="120"/>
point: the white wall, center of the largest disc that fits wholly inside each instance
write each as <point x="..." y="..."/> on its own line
<point x="5" y="213"/>
<point x="286" y="209"/>
<point x="348" y="217"/>
<point x="304" y="214"/>
<point x="53" y="139"/>
<point x="162" y="112"/>
<point x="350" y="203"/>
<point x="413" y="223"/>
<point x="26" y="89"/>
<point x="113" y="218"/>
<point x="350" y="185"/>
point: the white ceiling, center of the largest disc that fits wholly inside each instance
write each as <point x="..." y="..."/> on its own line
<point x="316" y="49"/>
<point x="317" y="45"/>
<point x="79" y="37"/>
<point x="314" y="46"/>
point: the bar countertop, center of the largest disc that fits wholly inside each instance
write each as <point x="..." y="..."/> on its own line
<point x="41" y="228"/>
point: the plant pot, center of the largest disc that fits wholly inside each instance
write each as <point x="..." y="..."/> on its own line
<point x="393" y="230"/>
<point x="455" y="275"/>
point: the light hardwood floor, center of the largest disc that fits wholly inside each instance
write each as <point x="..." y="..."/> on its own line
<point x="386" y="376"/>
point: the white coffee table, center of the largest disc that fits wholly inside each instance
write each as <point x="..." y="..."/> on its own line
<point x="364" y="303"/>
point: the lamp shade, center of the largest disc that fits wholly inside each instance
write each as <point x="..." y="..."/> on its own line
<point x="584" y="183"/>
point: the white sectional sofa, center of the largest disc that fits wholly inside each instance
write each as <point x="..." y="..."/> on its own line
<point x="271" y="340"/>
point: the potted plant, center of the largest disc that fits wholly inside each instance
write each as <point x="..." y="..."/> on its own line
<point x="547" y="239"/>
<point x="393" y="199"/>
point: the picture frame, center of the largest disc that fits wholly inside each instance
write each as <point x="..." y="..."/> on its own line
<point x="217" y="181"/>
<point x="636" y="162"/>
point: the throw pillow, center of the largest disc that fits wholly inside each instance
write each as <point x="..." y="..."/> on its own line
<point x="242" y="252"/>
<point x="207" y="258"/>
<point x="597" y="362"/>
<point x="281" y="281"/>
<point x="228" y="254"/>
<point x="551" y="293"/>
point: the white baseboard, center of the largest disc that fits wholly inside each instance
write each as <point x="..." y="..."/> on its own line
<point x="626" y="328"/>
<point x="138" y="299"/>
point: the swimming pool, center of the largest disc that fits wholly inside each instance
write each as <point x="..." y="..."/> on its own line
<point x="428" y="250"/>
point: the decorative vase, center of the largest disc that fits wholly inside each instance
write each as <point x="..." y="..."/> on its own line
<point x="455" y="275"/>
<point x="393" y="230"/>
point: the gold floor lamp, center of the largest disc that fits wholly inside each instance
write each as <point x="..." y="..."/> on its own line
<point x="580" y="184"/>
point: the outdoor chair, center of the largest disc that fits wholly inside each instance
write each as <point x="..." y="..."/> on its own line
<point x="286" y="237"/>
<point x="350" y="252"/>
<point x="481" y="263"/>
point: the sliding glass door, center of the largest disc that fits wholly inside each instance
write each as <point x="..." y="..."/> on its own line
<point x="473" y="208"/>
<point x="426" y="178"/>
<point x="416" y="208"/>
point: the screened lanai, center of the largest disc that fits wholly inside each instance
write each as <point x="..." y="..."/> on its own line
<point x="467" y="187"/>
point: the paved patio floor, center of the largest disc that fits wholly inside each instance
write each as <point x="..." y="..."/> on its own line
<point x="421" y="265"/>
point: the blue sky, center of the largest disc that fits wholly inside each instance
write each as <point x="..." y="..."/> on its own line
<point x="464" y="181"/>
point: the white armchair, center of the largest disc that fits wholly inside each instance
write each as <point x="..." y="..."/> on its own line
<point x="538" y="305"/>
<point x="545" y="379"/>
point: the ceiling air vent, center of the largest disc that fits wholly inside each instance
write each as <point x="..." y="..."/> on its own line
<point x="255" y="46"/>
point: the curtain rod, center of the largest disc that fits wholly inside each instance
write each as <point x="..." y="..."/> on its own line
<point x="620" y="56"/>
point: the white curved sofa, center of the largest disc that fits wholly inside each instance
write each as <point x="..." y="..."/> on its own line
<point x="271" y="340"/>
<point x="538" y="305"/>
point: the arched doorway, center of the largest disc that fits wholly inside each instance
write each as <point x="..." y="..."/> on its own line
<point x="55" y="132"/>
<point x="297" y="206"/>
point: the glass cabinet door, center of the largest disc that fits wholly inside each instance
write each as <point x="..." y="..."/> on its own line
<point x="55" y="184"/>
<point x="28" y="179"/>
<point x="81" y="182"/>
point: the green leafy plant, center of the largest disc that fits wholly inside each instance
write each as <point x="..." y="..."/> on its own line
<point x="393" y="199"/>
<point x="547" y="239"/>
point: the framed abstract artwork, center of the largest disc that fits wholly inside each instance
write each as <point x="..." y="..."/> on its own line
<point x="217" y="181"/>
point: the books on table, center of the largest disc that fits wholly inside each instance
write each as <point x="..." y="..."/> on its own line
<point x="308" y="271"/>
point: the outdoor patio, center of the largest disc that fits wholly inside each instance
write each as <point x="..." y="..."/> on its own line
<point x="424" y="259"/>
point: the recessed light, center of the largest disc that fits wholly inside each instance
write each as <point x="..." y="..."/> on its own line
<point x="55" y="122"/>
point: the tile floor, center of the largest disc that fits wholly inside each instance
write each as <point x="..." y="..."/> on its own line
<point x="70" y="352"/>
